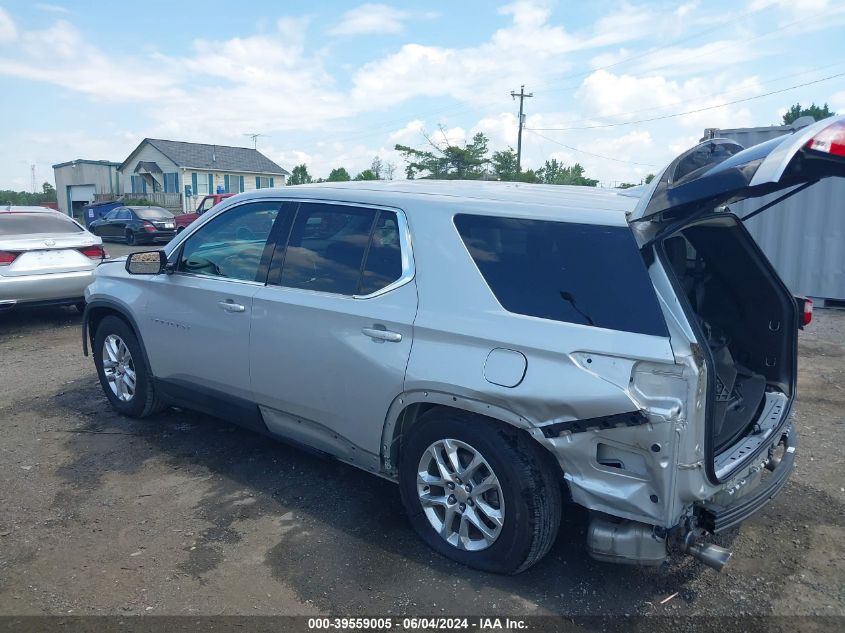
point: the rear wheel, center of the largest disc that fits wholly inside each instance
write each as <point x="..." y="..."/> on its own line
<point x="123" y="373"/>
<point x="130" y="238"/>
<point x="478" y="492"/>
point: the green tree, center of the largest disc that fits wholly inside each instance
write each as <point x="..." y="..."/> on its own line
<point x="367" y="174"/>
<point x="339" y="174"/>
<point x="649" y="178"/>
<point x="377" y="167"/>
<point x="25" y="198"/>
<point x="553" y="172"/>
<point x="504" y="164"/>
<point x="465" y="162"/>
<point x="795" y="112"/>
<point x="300" y="175"/>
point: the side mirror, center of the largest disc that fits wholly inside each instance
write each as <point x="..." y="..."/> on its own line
<point x="146" y="263"/>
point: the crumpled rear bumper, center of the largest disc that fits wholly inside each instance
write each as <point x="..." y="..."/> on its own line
<point x="715" y="517"/>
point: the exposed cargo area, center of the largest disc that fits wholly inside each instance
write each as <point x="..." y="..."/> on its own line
<point x="745" y="315"/>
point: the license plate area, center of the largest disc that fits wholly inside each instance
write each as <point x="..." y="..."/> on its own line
<point x="48" y="259"/>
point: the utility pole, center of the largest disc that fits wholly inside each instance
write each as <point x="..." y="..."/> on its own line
<point x="32" y="174"/>
<point x="522" y="96"/>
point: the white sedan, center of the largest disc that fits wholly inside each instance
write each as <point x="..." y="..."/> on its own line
<point x="46" y="258"/>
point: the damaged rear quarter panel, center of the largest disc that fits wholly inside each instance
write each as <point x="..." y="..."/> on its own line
<point x="448" y="358"/>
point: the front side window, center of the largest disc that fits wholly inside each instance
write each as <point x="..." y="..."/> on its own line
<point x="231" y="245"/>
<point x="577" y="273"/>
<point x="342" y="250"/>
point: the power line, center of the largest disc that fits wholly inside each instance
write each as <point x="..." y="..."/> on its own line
<point x="709" y="96"/>
<point x="581" y="151"/>
<point x="677" y="114"/>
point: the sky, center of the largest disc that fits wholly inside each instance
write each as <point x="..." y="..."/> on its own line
<point x="619" y="86"/>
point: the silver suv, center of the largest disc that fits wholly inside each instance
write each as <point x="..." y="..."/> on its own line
<point x="493" y="348"/>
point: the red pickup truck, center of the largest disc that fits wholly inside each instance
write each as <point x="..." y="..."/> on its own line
<point x="207" y="202"/>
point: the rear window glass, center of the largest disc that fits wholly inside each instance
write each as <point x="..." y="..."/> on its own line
<point x="577" y="273"/>
<point x="153" y="214"/>
<point x="35" y="223"/>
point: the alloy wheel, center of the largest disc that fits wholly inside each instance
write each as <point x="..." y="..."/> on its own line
<point x="460" y="495"/>
<point x="119" y="368"/>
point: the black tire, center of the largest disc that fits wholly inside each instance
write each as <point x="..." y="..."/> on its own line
<point x="144" y="402"/>
<point x="179" y="230"/>
<point x="131" y="240"/>
<point x="530" y="486"/>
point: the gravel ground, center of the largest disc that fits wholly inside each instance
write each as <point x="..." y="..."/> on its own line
<point x="185" y="514"/>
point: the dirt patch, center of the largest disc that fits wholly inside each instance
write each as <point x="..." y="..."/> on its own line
<point x="185" y="514"/>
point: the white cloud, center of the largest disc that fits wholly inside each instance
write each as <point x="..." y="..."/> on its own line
<point x="501" y="129"/>
<point x="60" y="55"/>
<point x="317" y="111"/>
<point x="51" y="8"/>
<point x="374" y="18"/>
<point x="610" y="98"/>
<point x="8" y="30"/>
<point x="837" y="102"/>
<point x="409" y="133"/>
<point x="795" y="7"/>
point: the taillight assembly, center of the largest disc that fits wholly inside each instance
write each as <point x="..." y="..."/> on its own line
<point x="831" y="140"/>
<point x="94" y="252"/>
<point x="807" y="315"/>
<point x="149" y="226"/>
<point x="805" y="311"/>
<point x="7" y="258"/>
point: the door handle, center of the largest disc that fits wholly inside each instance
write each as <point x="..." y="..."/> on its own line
<point x="230" y="306"/>
<point x="382" y="335"/>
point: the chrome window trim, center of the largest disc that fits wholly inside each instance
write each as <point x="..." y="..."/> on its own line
<point x="216" y="278"/>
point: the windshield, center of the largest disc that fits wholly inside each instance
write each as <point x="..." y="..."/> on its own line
<point x="35" y="223"/>
<point x="154" y="213"/>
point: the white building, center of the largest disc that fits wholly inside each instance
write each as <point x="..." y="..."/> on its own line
<point x="176" y="175"/>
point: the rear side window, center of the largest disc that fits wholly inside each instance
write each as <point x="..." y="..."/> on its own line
<point x="384" y="259"/>
<point x="342" y="249"/>
<point x="35" y="223"/>
<point x="576" y="273"/>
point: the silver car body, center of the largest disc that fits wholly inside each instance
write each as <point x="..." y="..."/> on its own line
<point x="345" y="394"/>
<point x="49" y="267"/>
<point x="344" y="374"/>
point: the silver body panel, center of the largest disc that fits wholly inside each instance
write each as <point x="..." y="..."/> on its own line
<point x="303" y="358"/>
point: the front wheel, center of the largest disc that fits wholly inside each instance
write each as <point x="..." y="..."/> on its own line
<point x="479" y="493"/>
<point x="123" y="374"/>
